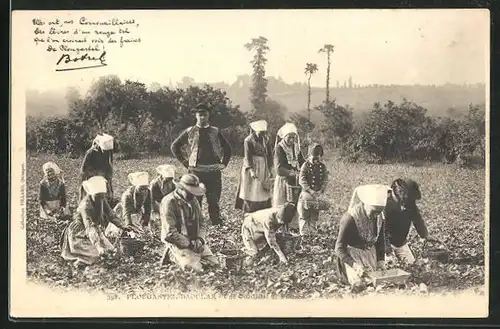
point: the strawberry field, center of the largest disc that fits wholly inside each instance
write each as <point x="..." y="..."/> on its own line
<point x="453" y="205"/>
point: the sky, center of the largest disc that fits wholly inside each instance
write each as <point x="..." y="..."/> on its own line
<point x="371" y="46"/>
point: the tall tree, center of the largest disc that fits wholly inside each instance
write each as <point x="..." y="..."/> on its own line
<point x="328" y="49"/>
<point x="309" y="71"/>
<point x="259" y="81"/>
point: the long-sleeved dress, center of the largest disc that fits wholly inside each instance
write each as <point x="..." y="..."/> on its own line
<point x="81" y="237"/>
<point x="254" y="193"/>
<point x="97" y="163"/>
<point x="52" y="197"/>
<point x="283" y="170"/>
<point x="133" y="208"/>
<point x="360" y="240"/>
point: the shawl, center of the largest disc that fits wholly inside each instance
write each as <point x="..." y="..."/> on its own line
<point x="365" y="225"/>
<point x="292" y="153"/>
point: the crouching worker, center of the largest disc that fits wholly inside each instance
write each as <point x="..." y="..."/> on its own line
<point x="159" y="187"/>
<point x="360" y="244"/>
<point x="183" y="226"/>
<point x="52" y="194"/>
<point x="313" y="179"/>
<point x="400" y="213"/>
<point x="260" y="227"/>
<point x="83" y="240"/>
<point x="134" y="207"/>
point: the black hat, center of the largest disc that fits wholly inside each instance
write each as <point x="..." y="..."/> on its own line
<point x="200" y="108"/>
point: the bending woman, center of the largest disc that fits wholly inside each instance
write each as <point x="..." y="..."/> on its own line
<point x="360" y="245"/>
<point x="134" y="208"/>
<point x="83" y="240"/>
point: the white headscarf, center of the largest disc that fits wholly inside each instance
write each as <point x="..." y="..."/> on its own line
<point x="52" y="165"/>
<point x="166" y="171"/>
<point x="105" y="142"/>
<point x="372" y="194"/>
<point x="286" y="129"/>
<point x="140" y="178"/>
<point x="95" y="185"/>
<point x="260" y="125"/>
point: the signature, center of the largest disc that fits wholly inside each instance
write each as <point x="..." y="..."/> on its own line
<point x="84" y="59"/>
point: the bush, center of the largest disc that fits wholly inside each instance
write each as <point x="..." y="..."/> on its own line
<point x="140" y="120"/>
<point x="403" y="132"/>
<point x="130" y="143"/>
<point x="149" y="121"/>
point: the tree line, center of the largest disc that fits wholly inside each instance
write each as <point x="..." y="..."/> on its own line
<point x="147" y="121"/>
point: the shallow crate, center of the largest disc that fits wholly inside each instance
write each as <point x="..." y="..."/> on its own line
<point x="395" y="275"/>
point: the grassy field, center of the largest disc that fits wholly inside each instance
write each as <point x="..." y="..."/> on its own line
<point x="453" y="206"/>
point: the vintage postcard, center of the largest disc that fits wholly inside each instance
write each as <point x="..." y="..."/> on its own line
<point x="250" y="163"/>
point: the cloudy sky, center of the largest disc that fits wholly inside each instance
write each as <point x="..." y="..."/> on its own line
<point x="372" y="46"/>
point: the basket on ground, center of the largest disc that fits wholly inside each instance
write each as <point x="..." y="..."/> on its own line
<point x="130" y="246"/>
<point x="440" y="254"/>
<point x="230" y="257"/>
<point x="288" y="242"/>
<point x="318" y="204"/>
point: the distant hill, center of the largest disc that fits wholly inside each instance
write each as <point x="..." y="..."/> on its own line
<point x="436" y="99"/>
<point x="46" y="104"/>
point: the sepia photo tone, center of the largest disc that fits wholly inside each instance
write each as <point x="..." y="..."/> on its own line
<point x="283" y="163"/>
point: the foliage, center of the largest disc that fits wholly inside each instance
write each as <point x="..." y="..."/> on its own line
<point x="141" y="120"/>
<point x="404" y="132"/>
<point x="452" y="205"/>
<point x="338" y="123"/>
<point x="273" y="112"/>
<point x="258" y="90"/>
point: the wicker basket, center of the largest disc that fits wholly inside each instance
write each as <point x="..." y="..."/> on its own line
<point x="440" y="254"/>
<point x="318" y="204"/>
<point x="230" y="258"/>
<point x="130" y="246"/>
<point x="288" y="242"/>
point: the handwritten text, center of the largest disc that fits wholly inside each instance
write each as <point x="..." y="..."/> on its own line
<point x="84" y="42"/>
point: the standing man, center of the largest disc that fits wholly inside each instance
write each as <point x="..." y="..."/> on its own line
<point x="209" y="153"/>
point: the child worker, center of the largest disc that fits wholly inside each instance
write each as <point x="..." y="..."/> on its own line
<point x="313" y="178"/>
<point x="260" y="228"/>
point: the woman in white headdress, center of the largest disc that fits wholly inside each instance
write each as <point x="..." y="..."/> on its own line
<point x="98" y="161"/>
<point x="287" y="159"/>
<point x="134" y="207"/>
<point x="360" y="246"/>
<point x="52" y="193"/>
<point x="254" y="189"/>
<point x="160" y="186"/>
<point x="83" y="240"/>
